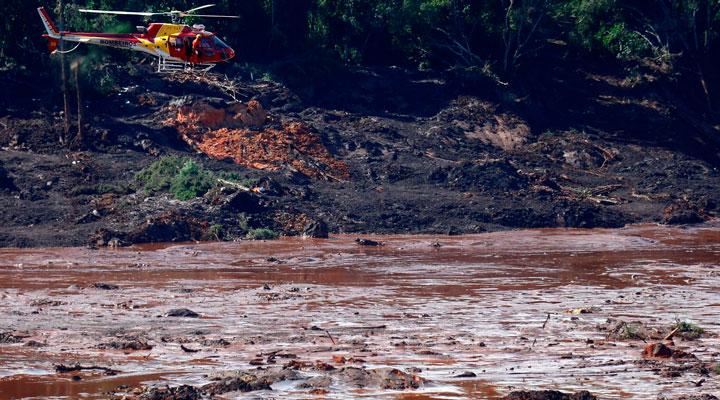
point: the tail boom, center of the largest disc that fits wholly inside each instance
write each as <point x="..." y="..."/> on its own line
<point x="52" y="29"/>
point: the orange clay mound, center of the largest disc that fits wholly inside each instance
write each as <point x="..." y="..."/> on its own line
<point x="236" y="132"/>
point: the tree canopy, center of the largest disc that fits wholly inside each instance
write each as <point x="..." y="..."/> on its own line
<point x="501" y="34"/>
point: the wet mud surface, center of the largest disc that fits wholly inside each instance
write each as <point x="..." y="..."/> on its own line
<point x="418" y="317"/>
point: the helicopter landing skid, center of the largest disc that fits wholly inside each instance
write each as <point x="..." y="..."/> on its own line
<point x="165" y="65"/>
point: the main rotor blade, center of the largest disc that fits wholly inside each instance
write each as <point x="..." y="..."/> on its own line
<point x="211" y="16"/>
<point x="198" y="8"/>
<point x="146" y="14"/>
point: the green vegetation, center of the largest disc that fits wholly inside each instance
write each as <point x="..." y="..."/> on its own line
<point x="191" y="181"/>
<point x="182" y="177"/>
<point x="216" y="232"/>
<point x="502" y="35"/>
<point x="716" y="368"/>
<point x="688" y="329"/>
<point x="629" y="332"/>
<point x="158" y="176"/>
<point x="262" y="234"/>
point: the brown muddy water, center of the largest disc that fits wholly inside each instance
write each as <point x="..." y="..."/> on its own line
<point x="494" y="304"/>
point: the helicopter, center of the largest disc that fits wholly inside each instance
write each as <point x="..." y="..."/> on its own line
<point x="171" y="43"/>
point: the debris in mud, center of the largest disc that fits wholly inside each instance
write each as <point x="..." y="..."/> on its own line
<point x="47" y="303"/>
<point x="498" y="174"/>
<point x="683" y="212"/>
<point x="549" y="395"/>
<point x="130" y="343"/>
<point x="686" y="330"/>
<point x="169" y="227"/>
<point x="384" y="378"/>
<point x="182" y="313"/>
<point x="367" y="242"/>
<point x="239" y="384"/>
<point x="466" y="374"/>
<point x="234" y="131"/>
<point x="316" y="382"/>
<point x="105" y="286"/>
<point x="622" y="330"/>
<point x="188" y="350"/>
<point x="62" y="368"/>
<point x="10" y="338"/>
<point x="316" y="229"/>
<point x="582" y="310"/>
<point x="215" y="342"/>
<point x="183" y="392"/>
<point x="249" y="381"/>
<point x="690" y="397"/>
<point x="660" y="350"/>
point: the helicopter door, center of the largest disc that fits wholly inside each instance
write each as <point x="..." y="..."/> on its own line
<point x="178" y="47"/>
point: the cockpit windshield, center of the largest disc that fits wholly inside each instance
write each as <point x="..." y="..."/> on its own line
<point x="219" y="44"/>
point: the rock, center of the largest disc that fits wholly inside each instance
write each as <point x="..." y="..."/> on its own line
<point x="549" y="395"/>
<point x="316" y="229"/>
<point x="182" y="312"/>
<point x="367" y="242"/>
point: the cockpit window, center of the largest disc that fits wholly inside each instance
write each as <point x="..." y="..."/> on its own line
<point x="219" y="44"/>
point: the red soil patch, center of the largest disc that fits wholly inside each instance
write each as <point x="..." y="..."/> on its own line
<point x="237" y="132"/>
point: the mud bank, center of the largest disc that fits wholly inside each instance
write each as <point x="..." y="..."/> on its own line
<point x="420" y="317"/>
<point x="369" y="151"/>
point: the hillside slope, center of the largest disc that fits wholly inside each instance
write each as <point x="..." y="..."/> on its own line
<point x="366" y="150"/>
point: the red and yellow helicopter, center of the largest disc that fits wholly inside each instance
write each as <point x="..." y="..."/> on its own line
<point x="177" y="46"/>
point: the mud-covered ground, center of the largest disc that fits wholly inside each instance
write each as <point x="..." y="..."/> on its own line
<point x="362" y="150"/>
<point x="421" y="317"/>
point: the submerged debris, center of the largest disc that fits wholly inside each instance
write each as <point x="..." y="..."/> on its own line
<point x="183" y="313"/>
<point x="183" y="392"/>
<point x="549" y="395"/>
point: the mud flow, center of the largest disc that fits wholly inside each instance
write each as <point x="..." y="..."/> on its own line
<point x="419" y="317"/>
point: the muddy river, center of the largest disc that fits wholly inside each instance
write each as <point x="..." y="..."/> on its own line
<point x="457" y="317"/>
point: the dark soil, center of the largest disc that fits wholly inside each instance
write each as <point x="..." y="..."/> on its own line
<point x="425" y="152"/>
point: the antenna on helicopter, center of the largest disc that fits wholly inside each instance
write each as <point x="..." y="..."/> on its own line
<point x="175" y="15"/>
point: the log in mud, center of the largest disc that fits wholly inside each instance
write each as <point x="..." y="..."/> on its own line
<point x="420" y="317"/>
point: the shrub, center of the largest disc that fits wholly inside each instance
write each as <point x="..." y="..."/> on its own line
<point x="182" y="177"/>
<point x="216" y="232"/>
<point x="688" y="329"/>
<point x="262" y="234"/>
<point x="629" y="332"/>
<point x="191" y="181"/>
<point x="158" y="176"/>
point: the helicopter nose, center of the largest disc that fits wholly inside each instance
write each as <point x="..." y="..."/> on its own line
<point x="229" y="53"/>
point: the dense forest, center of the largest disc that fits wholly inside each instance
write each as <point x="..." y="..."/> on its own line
<point x="498" y="37"/>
